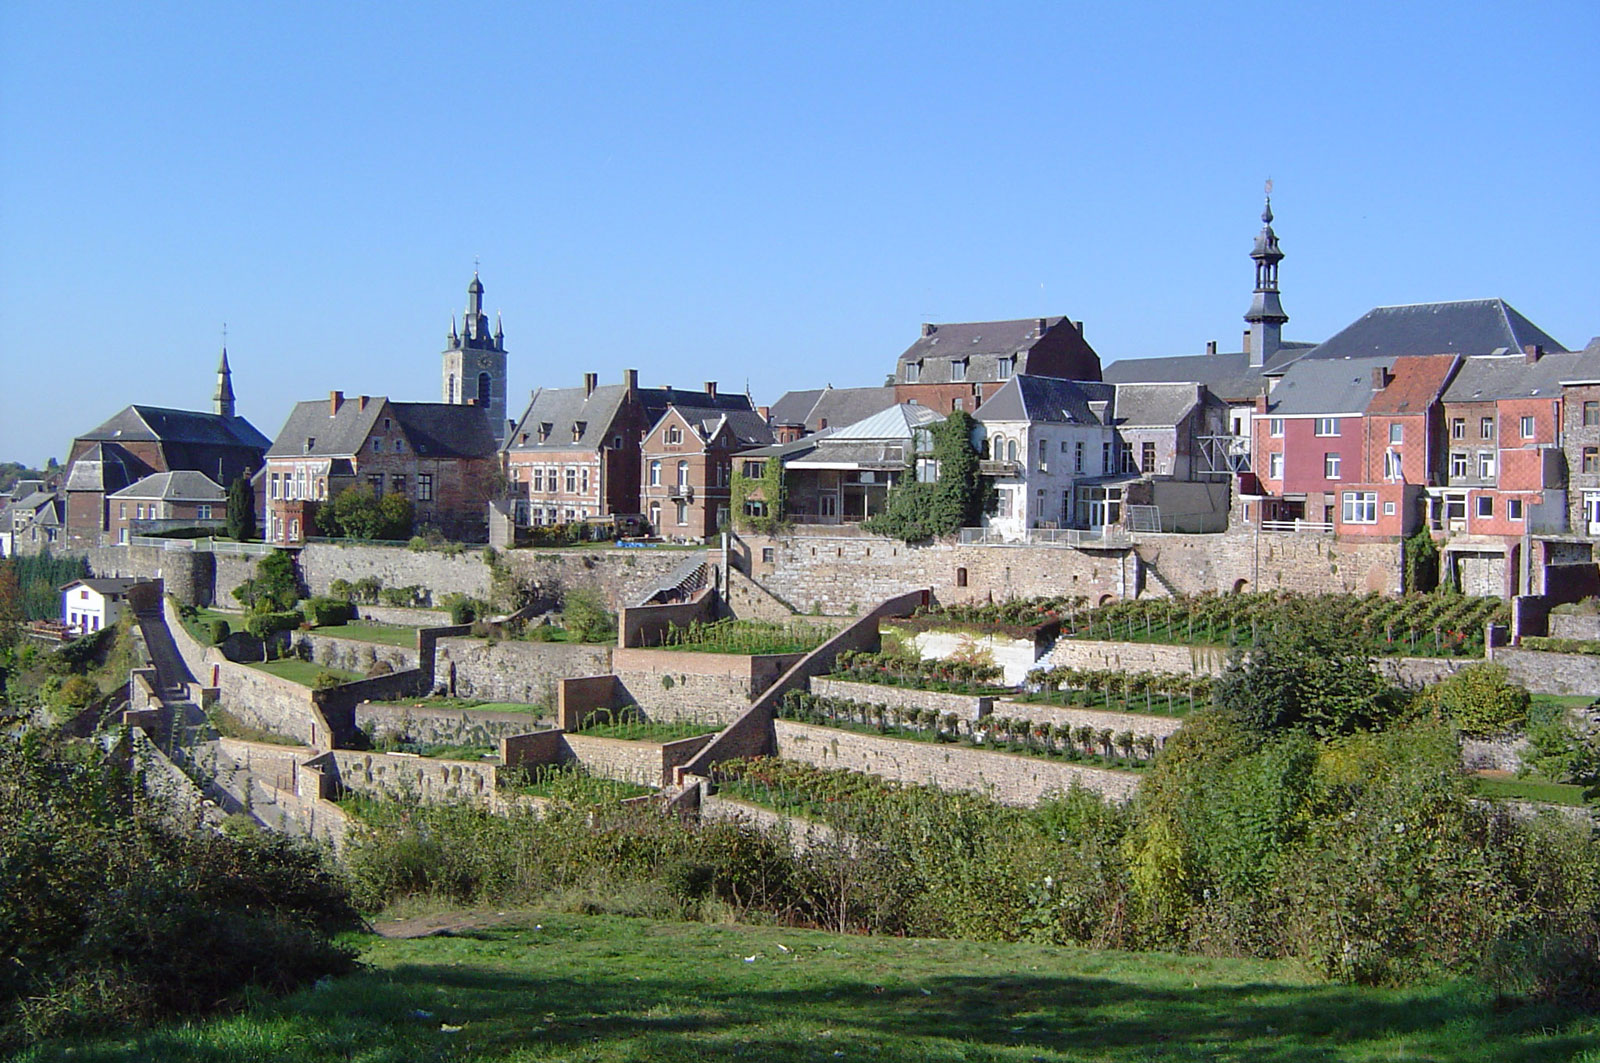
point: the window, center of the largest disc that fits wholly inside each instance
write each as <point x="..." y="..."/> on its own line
<point x="683" y="474"/>
<point x="139" y="510"/>
<point x="958" y="369"/>
<point x="1360" y="507"/>
<point x="1044" y="456"/>
<point x="535" y="480"/>
<point x="397" y="484"/>
<point x="957" y="404"/>
<point x="655" y="472"/>
<point x="272" y="485"/>
<point x="655" y="516"/>
<point x="1458" y="428"/>
<point x="399" y="446"/>
<point x="1003" y="500"/>
<point x="1486" y="428"/>
<point x="1004" y="367"/>
<point x="913" y="372"/>
<point x="386" y="424"/>
<point x="1514" y="508"/>
<point x="1077" y="456"/>
<point x="1591" y="414"/>
<point x="1275" y="465"/>
<point x="769" y="555"/>
<point x="377" y="446"/>
<point x="1485" y="464"/>
<point x="122" y="511"/>
<point x="1147" y="457"/>
<point x="583" y="479"/>
<point x="203" y="512"/>
<point x="1128" y="460"/>
<point x="1105" y="457"/>
<point x="1458" y="463"/>
<point x="1011" y="450"/>
<point x="1327" y="426"/>
<point x="673" y="435"/>
<point x="1330" y="466"/>
<point x="683" y="513"/>
<point x="425" y="487"/>
<point x="754" y="470"/>
<point x="1275" y="427"/>
<point x="1391" y="465"/>
<point x="294" y="529"/>
<point x="1397" y="432"/>
<point x="961" y="577"/>
<point x="544" y="431"/>
<point x="1388" y="509"/>
<point x="1455" y="507"/>
<point x="375" y="481"/>
<point x="572" y="480"/>
<point x="1485" y="505"/>
<point x="1527" y="426"/>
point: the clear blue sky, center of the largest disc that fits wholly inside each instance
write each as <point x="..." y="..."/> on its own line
<point x="766" y="192"/>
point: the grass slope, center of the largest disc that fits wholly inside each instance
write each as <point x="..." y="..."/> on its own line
<point x="602" y="988"/>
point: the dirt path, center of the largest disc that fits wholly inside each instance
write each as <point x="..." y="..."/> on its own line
<point x="436" y="923"/>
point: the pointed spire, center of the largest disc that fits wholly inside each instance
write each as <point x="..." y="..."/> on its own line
<point x="1266" y="316"/>
<point x="222" y="402"/>
<point x="499" y="327"/>
<point x="455" y="341"/>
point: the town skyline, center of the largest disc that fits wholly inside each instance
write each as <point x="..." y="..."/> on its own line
<point x="776" y="204"/>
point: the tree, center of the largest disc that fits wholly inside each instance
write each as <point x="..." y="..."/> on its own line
<point x="275" y="587"/>
<point x="396" y="515"/>
<point x="241" y="510"/>
<point x="352" y="512"/>
<point x="918" y="510"/>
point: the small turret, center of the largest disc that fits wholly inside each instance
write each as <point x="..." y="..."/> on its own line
<point x="1266" y="316"/>
<point x="222" y="402"/>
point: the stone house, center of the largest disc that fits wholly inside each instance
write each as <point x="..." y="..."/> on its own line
<point x="1580" y="441"/>
<point x="167" y="501"/>
<point x="442" y="456"/>
<point x="844" y="477"/>
<point x="687" y="458"/>
<point x="958" y="366"/>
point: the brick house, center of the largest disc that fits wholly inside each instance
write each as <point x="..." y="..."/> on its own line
<point x="1580" y="440"/>
<point x="800" y="413"/>
<point x="957" y="366"/>
<point x="166" y="501"/>
<point x="442" y="456"/>
<point x="687" y="460"/>
<point x="574" y="454"/>
<point x="843" y="476"/>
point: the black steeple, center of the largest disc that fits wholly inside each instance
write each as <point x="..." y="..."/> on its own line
<point x="475" y="335"/>
<point x="1266" y="316"/>
<point x="222" y="402"/>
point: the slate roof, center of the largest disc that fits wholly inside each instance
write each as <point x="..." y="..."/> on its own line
<point x="108" y="585"/>
<point x="1045" y="399"/>
<point x="1229" y="377"/>
<point x="157" y="423"/>
<point x="431" y="429"/>
<point x="883" y="441"/>
<point x="831" y="406"/>
<point x="793" y="407"/>
<point x="1509" y="376"/>
<point x="183" y="484"/>
<point x="1158" y="405"/>
<point x="596" y="412"/>
<point x="1327" y="387"/>
<point x="1469" y="327"/>
<point x="795" y="448"/>
<point x="979" y="337"/>
<point x="1418" y="381"/>
<point x="105" y="467"/>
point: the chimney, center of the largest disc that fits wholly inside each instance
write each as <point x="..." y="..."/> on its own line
<point x="361" y="403"/>
<point x="1044" y="324"/>
<point x="1381" y="378"/>
<point x="630" y="377"/>
<point x="928" y="328"/>
<point x="1211" y="346"/>
<point x="1261" y="405"/>
<point x="1532" y="352"/>
<point x="711" y="388"/>
<point x="1247" y="348"/>
<point x="335" y="400"/>
<point x="590" y="380"/>
<point x="1079" y="326"/>
<point x="765" y="412"/>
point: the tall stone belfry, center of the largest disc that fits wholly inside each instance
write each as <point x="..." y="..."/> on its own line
<point x="475" y="360"/>
<point x="1266" y="316"/>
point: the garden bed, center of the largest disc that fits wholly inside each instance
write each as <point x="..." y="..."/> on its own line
<point x="303" y="672"/>
<point x="368" y="631"/>
<point x="974" y="678"/>
<point x="568" y="783"/>
<point x="748" y="638"/>
<point x="636" y="730"/>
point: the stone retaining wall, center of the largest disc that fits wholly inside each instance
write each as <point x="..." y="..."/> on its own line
<point x="1007" y="778"/>
<point x="804" y="834"/>
<point x="1552" y="673"/>
<point x="513" y="670"/>
<point x="437" y="726"/>
<point x="354" y="655"/>
<point x="615" y="758"/>
<point x="1107" y="656"/>
<point x="391" y="614"/>
<point x="1567" y="626"/>
<point x="966" y="706"/>
<point x="392" y="776"/>
<point x="442" y="573"/>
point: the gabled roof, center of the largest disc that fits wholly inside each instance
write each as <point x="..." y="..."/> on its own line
<point x="1045" y="399"/>
<point x="830" y="406"/>
<point x="1418" y="381"/>
<point x="746" y="428"/>
<point x="793" y="407"/>
<point x="104" y="467"/>
<point x="564" y="409"/>
<point x="432" y="429"/>
<point x="962" y="338"/>
<point x="897" y="422"/>
<point x="1468" y="327"/>
<point x="109" y="586"/>
<point x="1510" y="376"/>
<point x="157" y="423"/>
<point x="1159" y="405"/>
<point x="883" y="441"/>
<point x="1326" y="387"/>
<point x="1229" y="377"/>
<point x="183" y="485"/>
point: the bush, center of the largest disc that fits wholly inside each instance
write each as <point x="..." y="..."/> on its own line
<point x="326" y="681"/>
<point x="584" y="613"/>
<point x="463" y="610"/>
<point x="329" y="612"/>
<point x="264" y="625"/>
<point x="217" y="630"/>
<point x="1480" y="700"/>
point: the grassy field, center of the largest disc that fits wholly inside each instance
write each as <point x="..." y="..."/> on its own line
<point x="456" y="704"/>
<point x="602" y="988"/>
<point x="362" y="631"/>
<point x="303" y="672"/>
<point x="1551" y="793"/>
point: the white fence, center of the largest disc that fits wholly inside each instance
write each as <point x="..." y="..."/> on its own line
<point x="205" y="546"/>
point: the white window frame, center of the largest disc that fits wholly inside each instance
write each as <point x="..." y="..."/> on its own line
<point x="1332" y="464"/>
<point x="1397" y="432"/>
<point x="1275" y="465"/>
<point x="1275" y="427"/>
<point x="1484" y="510"/>
<point x="1359" y="507"/>
<point x="1327" y="426"/>
<point x="1527" y="426"/>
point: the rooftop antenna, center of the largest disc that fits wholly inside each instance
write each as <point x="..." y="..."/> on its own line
<point x="224" y="335"/>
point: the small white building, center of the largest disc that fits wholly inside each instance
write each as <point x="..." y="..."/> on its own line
<point x="1042" y="436"/>
<point x="87" y="605"/>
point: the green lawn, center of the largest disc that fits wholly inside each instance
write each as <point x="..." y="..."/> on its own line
<point x="303" y="672"/>
<point x="650" y="730"/>
<point x="1562" y="701"/>
<point x="467" y="703"/>
<point x="362" y="631"/>
<point x="607" y="988"/>
<point x="1551" y="793"/>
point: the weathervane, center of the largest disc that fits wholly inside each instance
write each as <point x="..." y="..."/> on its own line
<point x="1269" y="186"/>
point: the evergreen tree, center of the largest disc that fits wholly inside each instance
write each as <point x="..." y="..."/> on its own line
<point x="241" y="510"/>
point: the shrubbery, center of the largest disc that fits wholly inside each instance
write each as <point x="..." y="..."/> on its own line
<point x="265" y="625"/>
<point x="217" y="630"/>
<point x="1480" y="700"/>
<point x="329" y="611"/>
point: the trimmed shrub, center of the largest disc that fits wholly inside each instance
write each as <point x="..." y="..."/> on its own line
<point x="329" y="612"/>
<point x="265" y="625"/>
<point x="217" y="630"/>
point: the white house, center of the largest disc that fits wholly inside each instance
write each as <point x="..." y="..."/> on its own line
<point x="1042" y="436"/>
<point x="87" y="605"/>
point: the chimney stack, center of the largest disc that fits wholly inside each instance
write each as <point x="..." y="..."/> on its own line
<point x="1532" y="352"/>
<point x="711" y="388"/>
<point x="928" y="328"/>
<point x="765" y="412"/>
<point x="361" y="403"/>
<point x="1380" y="378"/>
<point x="1252" y="361"/>
<point x="1079" y="326"/>
<point x="1044" y="325"/>
<point x="1211" y="346"/>
<point x="630" y="377"/>
<point x="335" y="400"/>
<point x="590" y="381"/>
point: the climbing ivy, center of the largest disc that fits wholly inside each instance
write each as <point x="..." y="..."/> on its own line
<point x="770" y="487"/>
<point x="917" y="510"/>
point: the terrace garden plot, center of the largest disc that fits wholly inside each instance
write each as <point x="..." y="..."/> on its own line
<point x="1150" y="693"/>
<point x="570" y="784"/>
<point x="977" y="678"/>
<point x="1021" y="618"/>
<point x="305" y="673"/>
<point x="365" y="631"/>
<point x="1414" y="625"/>
<point x="1094" y="746"/>
<point x="635" y="729"/>
<point x="745" y="637"/>
<point x="538" y="712"/>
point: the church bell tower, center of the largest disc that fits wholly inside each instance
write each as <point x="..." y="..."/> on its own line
<point x="475" y="360"/>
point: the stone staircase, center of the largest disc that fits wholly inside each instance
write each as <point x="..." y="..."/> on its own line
<point x="683" y="583"/>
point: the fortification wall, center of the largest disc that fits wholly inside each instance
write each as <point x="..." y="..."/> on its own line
<point x="351" y="654"/>
<point x="1007" y="778"/>
<point x="512" y="670"/>
<point x="435" y="726"/>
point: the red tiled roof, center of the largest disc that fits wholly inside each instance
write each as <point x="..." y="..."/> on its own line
<point x="1418" y="381"/>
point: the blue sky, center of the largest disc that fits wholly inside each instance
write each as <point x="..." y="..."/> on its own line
<point x="766" y="193"/>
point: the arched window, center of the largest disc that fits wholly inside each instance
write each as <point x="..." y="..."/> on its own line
<point x="1011" y="450"/>
<point x="452" y="382"/>
<point x="683" y="474"/>
<point x="485" y="389"/>
<point x="961" y="577"/>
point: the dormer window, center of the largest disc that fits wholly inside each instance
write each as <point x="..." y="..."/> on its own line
<point x="958" y="369"/>
<point x="1005" y="366"/>
<point x="544" y="431"/>
<point x="311" y="443"/>
<point x="578" y="428"/>
<point x="913" y="372"/>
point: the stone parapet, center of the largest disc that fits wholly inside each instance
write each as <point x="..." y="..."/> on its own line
<point x="1143" y="724"/>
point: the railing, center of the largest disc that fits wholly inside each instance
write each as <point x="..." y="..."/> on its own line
<point x="166" y="524"/>
<point x="998" y="467"/>
<point x="212" y="546"/>
<point x="1078" y="538"/>
<point x="1297" y="525"/>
